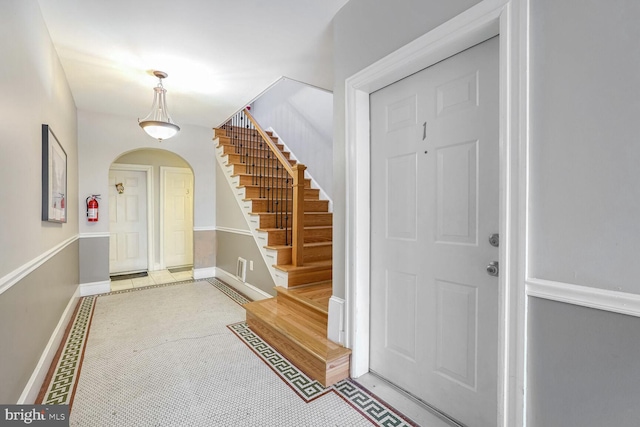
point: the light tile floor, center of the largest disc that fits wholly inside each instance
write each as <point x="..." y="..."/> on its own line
<point x="154" y="278"/>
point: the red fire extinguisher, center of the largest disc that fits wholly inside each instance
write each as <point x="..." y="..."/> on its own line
<point x="92" y="208"/>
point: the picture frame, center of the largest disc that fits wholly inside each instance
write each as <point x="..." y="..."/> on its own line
<point x="54" y="178"/>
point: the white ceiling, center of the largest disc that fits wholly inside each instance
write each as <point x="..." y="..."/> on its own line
<point x="219" y="54"/>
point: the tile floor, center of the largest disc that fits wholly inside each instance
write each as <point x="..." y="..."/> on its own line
<point x="154" y="278"/>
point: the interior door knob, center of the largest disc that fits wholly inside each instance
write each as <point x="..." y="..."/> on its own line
<point x="493" y="269"/>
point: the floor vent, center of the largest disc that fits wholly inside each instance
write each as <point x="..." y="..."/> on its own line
<point x="241" y="269"/>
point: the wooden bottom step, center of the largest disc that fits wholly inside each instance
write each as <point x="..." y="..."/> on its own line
<point x="301" y="340"/>
<point x="310" y="301"/>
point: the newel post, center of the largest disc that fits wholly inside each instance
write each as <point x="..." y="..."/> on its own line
<point x="298" y="214"/>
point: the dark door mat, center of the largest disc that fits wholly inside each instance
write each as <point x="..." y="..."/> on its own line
<point x="179" y="269"/>
<point x="129" y="276"/>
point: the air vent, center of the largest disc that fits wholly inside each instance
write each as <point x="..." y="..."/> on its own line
<point x="241" y="269"/>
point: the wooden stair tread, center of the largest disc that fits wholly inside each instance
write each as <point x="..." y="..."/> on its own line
<point x="309" y="266"/>
<point x="306" y="245"/>
<point x="315" y="296"/>
<point x="306" y="227"/>
<point x="306" y="213"/>
<point x="304" y="332"/>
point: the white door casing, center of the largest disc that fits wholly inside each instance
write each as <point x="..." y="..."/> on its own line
<point x="509" y="19"/>
<point x="128" y="228"/>
<point x="176" y="213"/>
<point x="434" y="202"/>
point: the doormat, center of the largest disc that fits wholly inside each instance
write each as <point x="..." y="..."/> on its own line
<point x="128" y="276"/>
<point x="179" y="269"/>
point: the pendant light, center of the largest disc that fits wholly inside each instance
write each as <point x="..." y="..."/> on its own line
<point x="158" y="123"/>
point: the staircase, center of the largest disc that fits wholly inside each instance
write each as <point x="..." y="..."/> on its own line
<point x="293" y="228"/>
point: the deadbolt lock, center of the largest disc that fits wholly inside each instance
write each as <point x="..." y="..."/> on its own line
<point x="494" y="240"/>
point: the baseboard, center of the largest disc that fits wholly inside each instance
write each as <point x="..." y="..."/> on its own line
<point x="203" y="273"/>
<point x="247" y="289"/>
<point x="95" y="288"/>
<point x="601" y="299"/>
<point x="31" y="390"/>
<point x="335" y="326"/>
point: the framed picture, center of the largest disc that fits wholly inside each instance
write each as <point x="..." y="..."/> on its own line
<point x="54" y="178"/>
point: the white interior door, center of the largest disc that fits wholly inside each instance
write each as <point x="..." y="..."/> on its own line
<point x="177" y="188"/>
<point x="127" y="221"/>
<point x="434" y="203"/>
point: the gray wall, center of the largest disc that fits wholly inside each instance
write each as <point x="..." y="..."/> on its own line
<point x="584" y="369"/>
<point x="29" y="312"/>
<point x="231" y="245"/>
<point x="585" y="105"/>
<point x="92" y="250"/>
<point x="302" y="116"/>
<point x="584" y="208"/>
<point x="34" y="91"/>
<point x="363" y="32"/>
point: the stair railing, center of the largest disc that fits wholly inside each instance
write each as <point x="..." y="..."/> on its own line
<point x="280" y="184"/>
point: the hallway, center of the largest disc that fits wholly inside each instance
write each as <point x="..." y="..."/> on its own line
<point x="179" y="353"/>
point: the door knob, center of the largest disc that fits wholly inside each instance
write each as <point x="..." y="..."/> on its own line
<point x="494" y="240"/>
<point x="493" y="269"/>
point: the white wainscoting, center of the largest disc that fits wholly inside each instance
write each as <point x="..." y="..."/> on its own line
<point x="234" y="231"/>
<point x="21" y="272"/>
<point x="601" y="299"/>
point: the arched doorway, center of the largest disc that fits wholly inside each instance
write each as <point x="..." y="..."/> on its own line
<point x="150" y="218"/>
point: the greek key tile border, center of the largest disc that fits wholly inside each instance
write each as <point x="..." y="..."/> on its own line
<point x="62" y="384"/>
<point x="375" y="410"/>
<point x="228" y="291"/>
<point x="378" y="412"/>
<point x="304" y="386"/>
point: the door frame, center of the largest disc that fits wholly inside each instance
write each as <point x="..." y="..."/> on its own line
<point x="510" y="20"/>
<point x="148" y="169"/>
<point x="163" y="186"/>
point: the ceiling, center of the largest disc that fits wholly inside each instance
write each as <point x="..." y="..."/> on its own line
<point x="219" y="54"/>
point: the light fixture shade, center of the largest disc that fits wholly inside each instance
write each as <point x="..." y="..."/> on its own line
<point x="159" y="130"/>
<point x="158" y="123"/>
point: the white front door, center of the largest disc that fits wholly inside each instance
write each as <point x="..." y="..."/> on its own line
<point x="127" y="221"/>
<point x="434" y="203"/>
<point x="177" y="188"/>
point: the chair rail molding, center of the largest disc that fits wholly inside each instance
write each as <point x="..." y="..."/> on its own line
<point x="8" y="280"/>
<point x="585" y="296"/>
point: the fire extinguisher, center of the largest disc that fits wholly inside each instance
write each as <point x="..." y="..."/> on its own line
<point x="92" y="208"/>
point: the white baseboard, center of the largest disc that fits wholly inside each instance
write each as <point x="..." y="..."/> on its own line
<point x="247" y="289"/>
<point x="31" y="390"/>
<point x="335" y="326"/>
<point x="203" y="273"/>
<point x="95" y="288"/>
